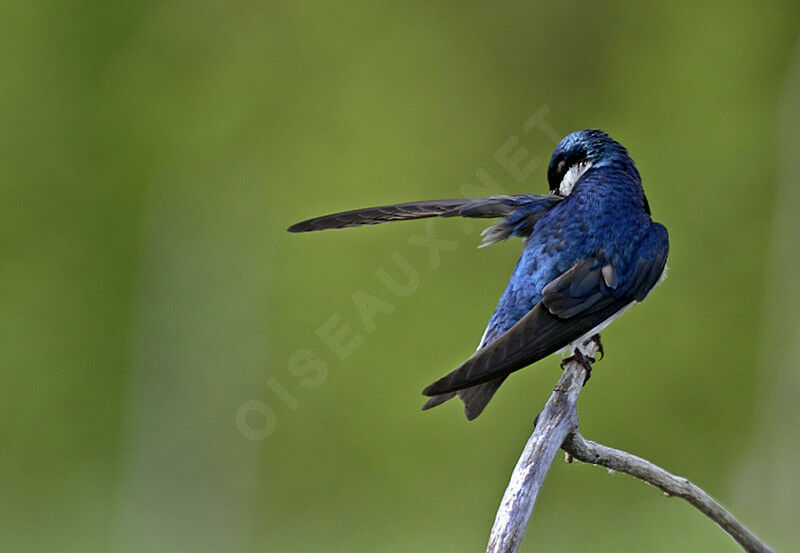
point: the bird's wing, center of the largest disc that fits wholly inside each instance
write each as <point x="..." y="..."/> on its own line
<point x="496" y="206"/>
<point x="585" y="296"/>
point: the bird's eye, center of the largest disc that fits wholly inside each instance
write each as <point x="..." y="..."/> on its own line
<point x="561" y="166"/>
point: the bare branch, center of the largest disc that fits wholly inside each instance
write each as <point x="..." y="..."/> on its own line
<point x="557" y="420"/>
<point x="590" y="452"/>
<point x="556" y="427"/>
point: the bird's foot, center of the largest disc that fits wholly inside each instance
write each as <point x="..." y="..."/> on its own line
<point x="580" y="357"/>
<point x="584" y="360"/>
<point x="599" y="344"/>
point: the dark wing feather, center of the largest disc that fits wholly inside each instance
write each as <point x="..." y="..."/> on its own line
<point x="572" y="305"/>
<point x="495" y="206"/>
<point x="521" y="221"/>
<point x="581" y="290"/>
<point x="537" y="335"/>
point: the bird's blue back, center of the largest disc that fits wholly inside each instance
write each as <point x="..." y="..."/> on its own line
<point x="603" y="213"/>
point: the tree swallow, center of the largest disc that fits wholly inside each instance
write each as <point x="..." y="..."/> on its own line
<point x="591" y="251"/>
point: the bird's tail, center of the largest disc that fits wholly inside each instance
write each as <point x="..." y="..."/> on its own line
<point x="475" y="398"/>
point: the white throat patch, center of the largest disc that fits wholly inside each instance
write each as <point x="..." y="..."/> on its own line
<point x="571" y="177"/>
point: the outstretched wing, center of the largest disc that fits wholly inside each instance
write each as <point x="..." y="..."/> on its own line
<point x="528" y="208"/>
<point x="588" y="294"/>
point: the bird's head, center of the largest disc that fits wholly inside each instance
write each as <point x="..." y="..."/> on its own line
<point x="579" y="151"/>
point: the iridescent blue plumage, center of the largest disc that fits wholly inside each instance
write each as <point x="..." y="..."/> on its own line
<point x="591" y="251"/>
<point x="604" y="212"/>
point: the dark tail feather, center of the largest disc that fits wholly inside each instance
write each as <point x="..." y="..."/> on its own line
<point x="438" y="400"/>
<point x="475" y="398"/>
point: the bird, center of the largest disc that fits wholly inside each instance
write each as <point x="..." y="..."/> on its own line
<point x="591" y="251"/>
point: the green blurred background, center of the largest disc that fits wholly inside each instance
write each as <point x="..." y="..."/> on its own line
<point x="163" y="384"/>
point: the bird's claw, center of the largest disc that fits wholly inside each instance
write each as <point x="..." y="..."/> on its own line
<point x="584" y="360"/>
<point x="599" y="344"/>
